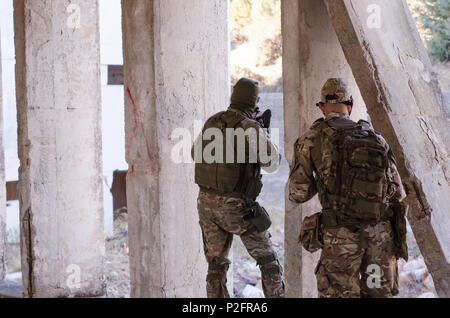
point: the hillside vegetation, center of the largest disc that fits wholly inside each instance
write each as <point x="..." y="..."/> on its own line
<point x="256" y="42"/>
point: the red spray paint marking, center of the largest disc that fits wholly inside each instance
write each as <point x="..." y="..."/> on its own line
<point x="137" y="123"/>
<point x="136" y="113"/>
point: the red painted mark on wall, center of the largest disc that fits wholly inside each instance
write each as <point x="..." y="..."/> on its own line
<point x="138" y="123"/>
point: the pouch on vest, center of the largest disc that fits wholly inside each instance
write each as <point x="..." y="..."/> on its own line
<point x="258" y="217"/>
<point x="253" y="186"/>
<point x="311" y="233"/>
<point x="400" y="210"/>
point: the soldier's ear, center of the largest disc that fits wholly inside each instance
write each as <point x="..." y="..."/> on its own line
<point x="349" y="108"/>
<point x="322" y="108"/>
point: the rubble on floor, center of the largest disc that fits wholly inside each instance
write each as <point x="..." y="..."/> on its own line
<point x="414" y="278"/>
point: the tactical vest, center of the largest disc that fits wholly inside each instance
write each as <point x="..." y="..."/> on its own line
<point x="242" y="180"/>
<point x="352" y="170"/>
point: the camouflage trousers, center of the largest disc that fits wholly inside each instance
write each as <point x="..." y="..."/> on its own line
<point x="220" y="219"/>
<point x="358" y="263"/>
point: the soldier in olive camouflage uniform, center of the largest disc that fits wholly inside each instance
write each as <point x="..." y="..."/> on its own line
<point x="357" y="260"/>
<point x="222" y="214"/>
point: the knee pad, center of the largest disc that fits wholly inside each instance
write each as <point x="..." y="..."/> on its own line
<point x="218" y="267"/>
<point x="261" y="261"/>
<point x="269" y="265"/>
<point x="216" y="276"/>
<point x="273" y="268"/>
<point x="217" y="270"/>
<point x="218" y="264"/>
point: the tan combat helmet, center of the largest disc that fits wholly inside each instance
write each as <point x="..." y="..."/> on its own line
<point x="336" y="91"/>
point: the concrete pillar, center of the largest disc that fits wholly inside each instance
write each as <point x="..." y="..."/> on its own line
<point x="176" y="70"/>
<point x="59" y="136"/>
<point x="391" y="66"/>
<point x="3" y="239"/>
<point x="311" y="54"/>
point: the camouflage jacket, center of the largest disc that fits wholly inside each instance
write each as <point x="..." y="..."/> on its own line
<point x="302" y="182"/>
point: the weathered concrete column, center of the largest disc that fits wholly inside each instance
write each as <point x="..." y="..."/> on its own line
<point x="391" y="66"/>
<point x="3" y="239"/>
<point x="311" y="54"/>
<point x="59" y="109"/>
<point x="176" y="70"/>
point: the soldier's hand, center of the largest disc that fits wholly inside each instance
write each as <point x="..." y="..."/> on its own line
<point x="265" y="119"/>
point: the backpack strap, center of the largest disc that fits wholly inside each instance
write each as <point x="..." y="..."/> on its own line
<point x="317" y="123"/>
<point x="365" y="125"/>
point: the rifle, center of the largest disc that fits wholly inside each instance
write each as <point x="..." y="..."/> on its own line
<point x="400" y="211"/>
<point x="258" y="216"/>
<point x="264" y="119"/>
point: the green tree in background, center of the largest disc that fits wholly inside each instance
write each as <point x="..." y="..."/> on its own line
<point x="434" y="17"/>
<point x="256" y="42"/>
<point x="241" y="12"/>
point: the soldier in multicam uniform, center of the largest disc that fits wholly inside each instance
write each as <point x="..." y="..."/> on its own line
<point x="227" y="193"/>
<point x="356" y="235"/>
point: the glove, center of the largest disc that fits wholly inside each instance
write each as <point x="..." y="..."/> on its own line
<point x="264" y="119"/>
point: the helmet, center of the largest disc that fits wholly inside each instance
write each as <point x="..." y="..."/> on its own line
<point x="336" y="91"/>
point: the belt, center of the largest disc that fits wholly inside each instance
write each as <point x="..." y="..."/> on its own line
<point x="217" y="192"/>
<point x="329" y="219"/>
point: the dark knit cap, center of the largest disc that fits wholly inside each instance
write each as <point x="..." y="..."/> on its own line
<point x="245" y="95"/>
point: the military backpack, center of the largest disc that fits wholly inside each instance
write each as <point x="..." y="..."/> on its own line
<point x="352" y="174"/>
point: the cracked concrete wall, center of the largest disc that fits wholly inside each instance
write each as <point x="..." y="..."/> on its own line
<point x="59" y="136"/>
<point x="403" y="98"/>
<point x="311" y="55"/>
<point x="3" y="237"/>
<point x="176" y="70"/>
